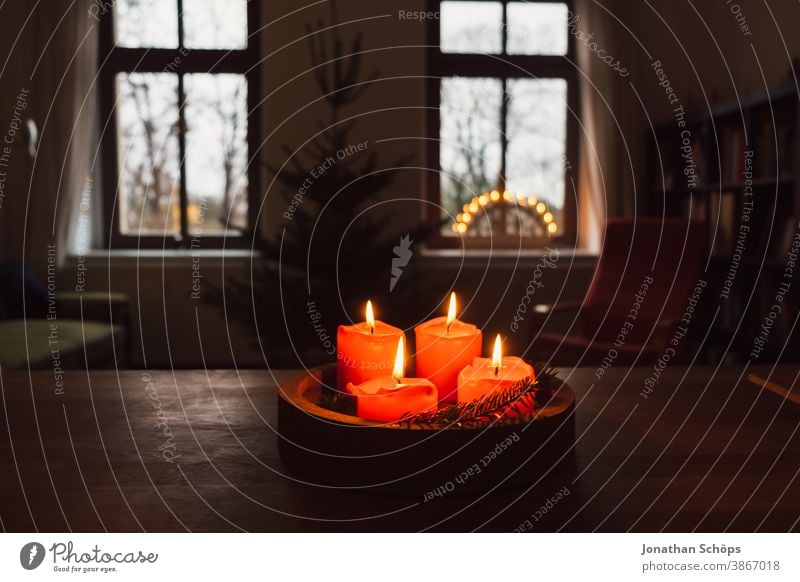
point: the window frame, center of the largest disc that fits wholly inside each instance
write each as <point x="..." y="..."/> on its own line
<point x="502" y="66"/>
<point x="112" y="60"/>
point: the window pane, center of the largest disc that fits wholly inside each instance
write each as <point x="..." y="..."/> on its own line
<point x="215" y="24"/>
<point x="216" y="152"/>
<point x="537" y="125"/>
<point x="146" y="23"/>
<point x="537" y="28"/>
<point x="149" y="184"/>
<point x="470" y="150"/>
<point x="472" y="27"/>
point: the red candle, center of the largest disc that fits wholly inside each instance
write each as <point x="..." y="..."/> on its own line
<point x="389" y="398"/>
<point x="486" y="375"/>
<point x="445" y="346"/>
<point x="365" y="350"/>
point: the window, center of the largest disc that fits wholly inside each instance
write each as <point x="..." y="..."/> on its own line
<point x="178" y="80"/>
<point x="502" y="102"/>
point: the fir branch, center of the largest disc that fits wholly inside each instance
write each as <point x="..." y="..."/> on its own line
<point x="519" y="398"/>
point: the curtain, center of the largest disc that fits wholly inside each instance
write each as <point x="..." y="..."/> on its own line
<point x="607" y="157"/>
<point x="16" y="32"/>
<point x="55" y="61"/>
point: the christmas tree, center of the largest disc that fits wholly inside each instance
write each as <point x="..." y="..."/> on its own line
<point x="333" y="252"/>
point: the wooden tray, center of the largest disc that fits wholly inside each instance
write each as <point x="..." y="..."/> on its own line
<point x="343" y="450"/>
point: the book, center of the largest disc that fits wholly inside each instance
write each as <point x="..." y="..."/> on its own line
<point x="735" y="167"/>
<point x="713" y="222"/>
<point x="765" y="146"/>
<point x="788" y="228"/>
<point x="724" y="154"/>
<point x="728" y="224"/>
<point x="698" y="207"/>
<point x="782" y="383"/>
<point x="698" y="160"/>
<point x="786" y="151"/>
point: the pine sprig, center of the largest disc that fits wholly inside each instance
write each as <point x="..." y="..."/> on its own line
<point x="519" y="398"/>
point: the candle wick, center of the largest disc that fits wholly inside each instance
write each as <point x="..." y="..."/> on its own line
<point x="397" y="380"/>
<point x="496" y="370"/>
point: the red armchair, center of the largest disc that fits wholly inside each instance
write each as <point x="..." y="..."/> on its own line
<point x="648" y="272"/>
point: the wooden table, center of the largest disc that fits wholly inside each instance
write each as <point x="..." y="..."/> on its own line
<point x="195" y="450"/>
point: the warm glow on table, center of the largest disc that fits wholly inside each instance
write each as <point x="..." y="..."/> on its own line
<point x="391" y="397"/>
<point x="366" y="350"/>
<point x="486" y="375"/>
<point x="445" y="346"/>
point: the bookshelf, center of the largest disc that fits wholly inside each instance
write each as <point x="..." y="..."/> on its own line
<point x="734" y="166"/>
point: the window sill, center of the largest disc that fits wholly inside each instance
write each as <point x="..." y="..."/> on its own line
<point x="568" y="257"/>
<point x="171" y="257"/>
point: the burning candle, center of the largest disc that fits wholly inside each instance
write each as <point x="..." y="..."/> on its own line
<point x="445" y="346"/>
<point x="486" y="375"/>
<point x="389" y="398"/>
<point x="365" y="350"/>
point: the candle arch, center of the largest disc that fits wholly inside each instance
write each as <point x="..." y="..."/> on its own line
<point x="480" y="205"/>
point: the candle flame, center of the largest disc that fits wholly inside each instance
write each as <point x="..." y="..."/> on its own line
<point x="497" y="354"/>
<point x="370" y="317"/>
<point x="399" y="361"/>
<point x="451" y="311"/>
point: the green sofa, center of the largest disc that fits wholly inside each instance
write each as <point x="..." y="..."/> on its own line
<point x="90" y="330"/>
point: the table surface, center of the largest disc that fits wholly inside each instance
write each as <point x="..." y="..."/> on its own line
<point x="196" y="450"/>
